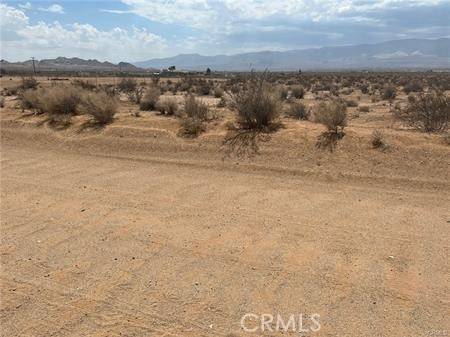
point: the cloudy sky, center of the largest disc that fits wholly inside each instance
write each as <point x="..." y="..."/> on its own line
<point x="136" y="30"/>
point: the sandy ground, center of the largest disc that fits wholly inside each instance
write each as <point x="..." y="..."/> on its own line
<point x="133" y="231"/>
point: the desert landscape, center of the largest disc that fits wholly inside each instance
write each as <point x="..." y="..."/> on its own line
<point x="175" y="206"/>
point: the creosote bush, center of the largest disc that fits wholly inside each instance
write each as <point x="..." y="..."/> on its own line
<point x="429" y="112"/>
<point x="100" y="106"/>
<point x="333" y="115"/>
<point x="256" y="104"/>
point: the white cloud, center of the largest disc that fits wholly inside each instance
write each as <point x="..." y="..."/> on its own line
<point x="47" y="40"/>
<point x="226" y="14"/>
<point x="25" y="5"/>
<point x="55" y="8"/>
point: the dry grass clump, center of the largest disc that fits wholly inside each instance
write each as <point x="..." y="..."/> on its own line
<point x="377" y="140"/>
<point x="30" y="99"/>
<point x="333" y="115"/>
<point x="100" y="106"/>
<point x="428" y="112"/>
<point x="298" y="110"/>
<point x="196" y="109"/>
<point x="256" y="104"/>
<point x="195" y="115"/>
<point x="168" y="106"/>
<point x="60" y="100"/>
<point x="149" y="100"/>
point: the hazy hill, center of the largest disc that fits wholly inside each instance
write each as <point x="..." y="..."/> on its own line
<point x="69" y="64"/>
<point x="412" y="53"/>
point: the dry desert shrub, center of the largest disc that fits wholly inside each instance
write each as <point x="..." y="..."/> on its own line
<point x="2" y="102"/>
<point x="60" y="101"/>
<point x="333" y="115"/>
<point x="149" y="100"/>
<point x="351" y="103"/>
<point x="429" y="112"/>
<point x="298" y="92"/>
<point x="218" y="92"/>
<point x="377" y="140"/>
<point x="29" y="83"/>
<point x="298" y="111"/>
<point x="412" y="87"/>
<point x="86" y="85"/>
<point x="30" y="99"/>
<point x="389" y="93"/>
<point x="100" y="106"/>
<point x="256" y="104"/>
<point x="194" y="108"/>
<point x="168" y="106"/>
<point x="127" y="85"/>
<point x="191" y="127"/>
<point x="195" y="115"/>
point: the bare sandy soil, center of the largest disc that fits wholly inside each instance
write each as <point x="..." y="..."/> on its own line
<point x="133" y="231"/>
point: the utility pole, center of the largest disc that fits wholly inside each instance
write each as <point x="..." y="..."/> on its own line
<point x="34" y="67"/>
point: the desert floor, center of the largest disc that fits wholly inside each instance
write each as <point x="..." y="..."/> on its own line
<point x="131" y="230"/>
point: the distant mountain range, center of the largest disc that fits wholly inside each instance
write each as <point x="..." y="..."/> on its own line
<point x="69" y="65"/>
<point x="400" y="54"/>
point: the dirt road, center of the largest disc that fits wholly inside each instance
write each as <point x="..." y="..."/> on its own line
<point x="110" y="246"/>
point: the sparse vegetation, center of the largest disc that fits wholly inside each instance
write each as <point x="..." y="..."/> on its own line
<point x="429" y="112"/>
<point x="168" y="106"/>
<point x="389" y="93"/>
<point x="100" y="106"/>
<point x="298" y="92"/>
<point x="150" y="98"/>
<point x="195" y="114"/>
<point x="2" y="101"/>
<point x="256" y="105"/>
<point x="298" y="110"/>
<point x="333" y="115"/>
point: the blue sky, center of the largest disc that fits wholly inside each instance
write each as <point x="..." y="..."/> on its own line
<point x="136" y="30"/>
